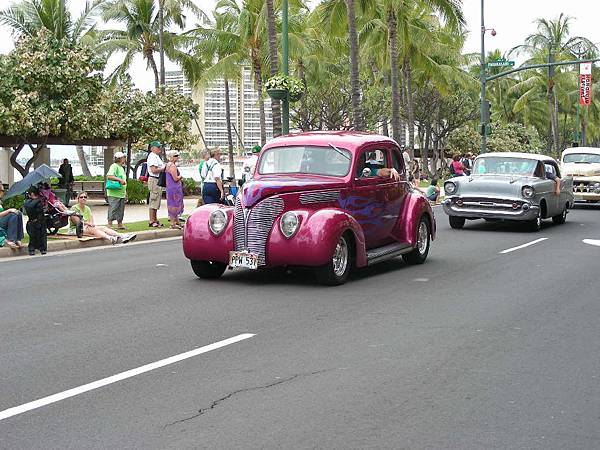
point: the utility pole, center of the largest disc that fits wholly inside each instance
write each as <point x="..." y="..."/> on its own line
<point x="285" y="104"/>
<point x="482" y="77"/>
<point x="161" y="42"/>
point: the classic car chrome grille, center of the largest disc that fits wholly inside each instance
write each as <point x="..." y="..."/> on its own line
<point x="319" y="197"/>
<point x="486" y="203"/>
<point x="251" y="227"/>
<point x="584" y="186"/>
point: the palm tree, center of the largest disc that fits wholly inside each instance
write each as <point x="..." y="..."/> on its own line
<point x="28" y="17"/>
<point x="552" y="43"/>
<point x="274" y="64"/>
<point x="142" y="33"/>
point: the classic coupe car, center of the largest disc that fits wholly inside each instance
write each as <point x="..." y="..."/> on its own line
<point x="583" y="164"/>
<point x="322" y="200"/>
<point x="509" y="186"/>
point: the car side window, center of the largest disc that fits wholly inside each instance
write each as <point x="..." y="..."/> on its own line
<point x="372" y="159"/>
<point x="553" y="169"/>
<point x="397" y="161"/>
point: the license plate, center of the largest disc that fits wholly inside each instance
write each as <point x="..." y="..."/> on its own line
<point x="243" y="259"/>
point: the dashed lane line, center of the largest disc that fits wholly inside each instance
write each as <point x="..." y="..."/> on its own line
<point x="512" y="249"/>
<point x="10" y="412"/>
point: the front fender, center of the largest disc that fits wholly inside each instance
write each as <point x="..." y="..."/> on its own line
<point x="413" y="208"/>
<point x="314" y="242"/>
<point x="200" y="244"/>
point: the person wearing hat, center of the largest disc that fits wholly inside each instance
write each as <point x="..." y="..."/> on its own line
<point x="155" y="167"/>
<point x="250" y="164"/>
<point x="116" y="195"/>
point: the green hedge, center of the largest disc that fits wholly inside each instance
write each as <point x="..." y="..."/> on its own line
<point x="14" y="202"/>
<point x="189" y="186"/>
<point x="137" y="192"/>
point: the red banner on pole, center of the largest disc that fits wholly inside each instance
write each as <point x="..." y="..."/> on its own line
<point x="585" y="84"/>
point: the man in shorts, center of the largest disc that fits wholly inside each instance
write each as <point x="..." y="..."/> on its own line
<point x="155" y="167"/>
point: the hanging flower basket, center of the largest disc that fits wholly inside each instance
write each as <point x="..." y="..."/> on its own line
<point x="277" y="94"/>
<point x="281" y="86"/>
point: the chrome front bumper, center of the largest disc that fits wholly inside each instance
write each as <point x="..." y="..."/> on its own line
<point x="490" y="209"/>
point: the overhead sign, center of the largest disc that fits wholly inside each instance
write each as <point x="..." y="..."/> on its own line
<point x="501" y="63"/>
<point x="585" y="84"/>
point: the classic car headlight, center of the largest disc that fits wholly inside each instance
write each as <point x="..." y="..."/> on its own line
<point x="289" y="224"/>
<point x="217" y="221"/>
<point x="450" y="187"/>
<point x="527" y="191"/>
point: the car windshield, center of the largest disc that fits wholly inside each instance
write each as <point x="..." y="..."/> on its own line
<point x="307" y="159"/>
<point x="582" y="158"/>
<point x="497" y="165"/>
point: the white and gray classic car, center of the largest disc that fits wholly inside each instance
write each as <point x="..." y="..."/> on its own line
<point x="510" y="186"/>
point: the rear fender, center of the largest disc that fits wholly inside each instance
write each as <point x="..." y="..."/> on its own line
<point x="414" y="207"/>
<point x="199" y="242"/>
<point x="314" y="242"/>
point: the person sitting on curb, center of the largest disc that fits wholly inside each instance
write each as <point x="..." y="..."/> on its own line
<point x="11" y="221"/>
<point x="90" y="229"/>
<point x="433" y="191"/>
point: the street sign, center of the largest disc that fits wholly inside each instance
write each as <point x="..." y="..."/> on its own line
<point x="501" y="63"/>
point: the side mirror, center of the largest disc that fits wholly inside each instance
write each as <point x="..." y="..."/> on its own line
<point x="366" y="172"/>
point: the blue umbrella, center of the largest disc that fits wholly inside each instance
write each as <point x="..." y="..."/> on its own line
<point x="42" y="173"/>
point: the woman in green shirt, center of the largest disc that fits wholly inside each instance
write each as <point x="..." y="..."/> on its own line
<point x="116" y="197"/>
<point x="90" y="229"/>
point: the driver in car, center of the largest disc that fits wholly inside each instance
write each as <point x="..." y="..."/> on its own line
<point x="547" y="170"/>
<point x="375" y="168"/>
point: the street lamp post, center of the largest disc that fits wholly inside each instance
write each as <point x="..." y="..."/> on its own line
<point x="482" y="77"/>
<point x="285" y="103"/>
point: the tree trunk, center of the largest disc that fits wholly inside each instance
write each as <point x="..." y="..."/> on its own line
<point x="229" y="136"/>
<point x="161" y="42"/>
<point x="256" y="66"/>
<point x="354" y="74"/>
<point x="393" y="37"/>
<point x="82" y="161"/>
<point x="410" y="108"/>
<point x="152" y="63"/>
<point x="274" y="59"/>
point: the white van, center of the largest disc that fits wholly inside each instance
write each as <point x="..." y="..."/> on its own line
<point x="583" y="164"/>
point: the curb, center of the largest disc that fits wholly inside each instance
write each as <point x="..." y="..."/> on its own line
<point x="60" y="245"/>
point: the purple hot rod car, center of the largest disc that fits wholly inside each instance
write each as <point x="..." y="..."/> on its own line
<point x="323" y="200"/>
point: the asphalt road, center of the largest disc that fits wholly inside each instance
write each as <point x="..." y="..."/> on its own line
<point x="474" y="349"/>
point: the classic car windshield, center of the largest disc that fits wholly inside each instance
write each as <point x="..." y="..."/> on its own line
<point x="497" y="165"/>
<point x="307" y="159"/>
<point x="582" y="158"/>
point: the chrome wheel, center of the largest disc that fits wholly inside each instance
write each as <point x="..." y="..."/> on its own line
<point x="340" y="257"/>
<point x="422" y="238"/>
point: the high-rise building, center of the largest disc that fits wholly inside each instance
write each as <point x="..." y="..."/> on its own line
<point x="175" y="79"/>
<point x="245" y="113"/>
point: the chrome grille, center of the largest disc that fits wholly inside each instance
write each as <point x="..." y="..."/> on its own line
<point x="319" y="197"/>
<point x="252" y="227"/>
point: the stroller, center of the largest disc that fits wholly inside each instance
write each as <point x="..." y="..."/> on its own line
<point x="56" y="219"/>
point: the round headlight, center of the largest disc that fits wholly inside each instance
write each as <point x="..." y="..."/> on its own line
<point x="450" y="187"/>
<point x="527" y="191"/>
<point x="217" y="221"/>
<point x="289" y="224"/>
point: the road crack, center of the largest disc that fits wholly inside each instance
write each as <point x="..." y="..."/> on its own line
<point x="216" y="403"/>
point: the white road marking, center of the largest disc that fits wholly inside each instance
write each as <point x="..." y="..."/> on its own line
<point x="508" y="250"/>
<point x="595" y="242"/>
<point x="10" y="412"/>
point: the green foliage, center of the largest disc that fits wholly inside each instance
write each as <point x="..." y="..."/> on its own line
<point x="14" y="202"/>
<point x="189" y="186"/>
<point x="293" y="85"/>
<point x="137" y="192"/>
<point x="512" y="137"/>
<point x="84" y="178"/>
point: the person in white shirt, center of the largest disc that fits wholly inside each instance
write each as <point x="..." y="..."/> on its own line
<point x="155" y="167"/>
<point x="212" y="191"/>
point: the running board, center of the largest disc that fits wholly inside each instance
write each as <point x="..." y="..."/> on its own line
<point x="389" y="251"/>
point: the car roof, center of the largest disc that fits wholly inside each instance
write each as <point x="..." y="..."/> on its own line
<point x="534" y="156"/>
<point x="350" y="140"/>
<point x="571" y="150"/>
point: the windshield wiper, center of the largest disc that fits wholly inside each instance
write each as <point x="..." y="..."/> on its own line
<point x="338" y="150"/>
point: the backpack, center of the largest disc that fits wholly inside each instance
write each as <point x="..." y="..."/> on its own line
<point x="208" y="168"/>
<point x="144" y="172"/>
<point x="2" y="237"/>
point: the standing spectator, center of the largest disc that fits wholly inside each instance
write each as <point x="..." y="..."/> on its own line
<point x="467" y="162"/>
<point x="406" y="158"/>
<point x="174" y="189"/>
<point x="213" y="191"/>
<point x="116" y="196"/>
<point x="11" y="221"/>
<point x="67" y="180"/>
<point x="456" y="167"/>
<point x="89" y="228"/>
<point x="203" y="158"/>
<point x="36" y="225"/>
<point x="155" y="167"/>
